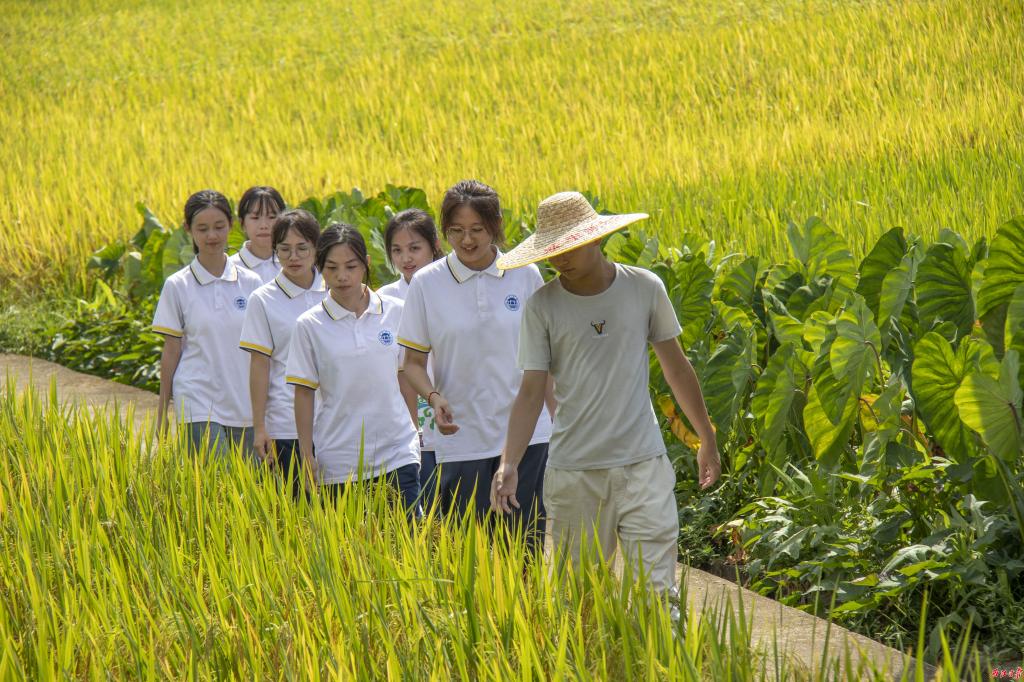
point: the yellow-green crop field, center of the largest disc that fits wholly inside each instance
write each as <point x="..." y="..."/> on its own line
<point x="722" y="117"/>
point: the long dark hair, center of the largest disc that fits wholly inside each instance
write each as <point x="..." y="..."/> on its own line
<point x="202" y="200"/>
<point x="417" y="220"/>
<point x="342" y="234"/>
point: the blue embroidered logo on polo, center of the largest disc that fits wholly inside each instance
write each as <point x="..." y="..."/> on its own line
<point x="385" y="337"/>
<point x="512" y="302"/>
<point x="240" y="302"/>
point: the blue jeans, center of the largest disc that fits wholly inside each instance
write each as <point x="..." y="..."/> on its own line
<point x="457" y="486"/>
<point x="218" y="439"/>
<point x="405" y="480"/>
<point x="289" y="463"/>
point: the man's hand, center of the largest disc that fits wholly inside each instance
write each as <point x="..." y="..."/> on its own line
<point x="709" y="465"/>
<point x="503" y="489"/>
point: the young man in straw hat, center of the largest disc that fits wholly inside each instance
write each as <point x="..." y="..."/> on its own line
<point x="608" y="479"/>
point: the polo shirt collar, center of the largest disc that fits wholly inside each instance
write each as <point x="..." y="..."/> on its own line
<point x="204" y="277"/>
<point x="463" y="274"/>
<point x="291" y="289"/>
<point x="250" y="259"/>
<point x="338" y="312"/>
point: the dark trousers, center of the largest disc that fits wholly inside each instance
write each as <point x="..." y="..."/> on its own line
<point x="289" y="463"/>
<point x="428" y="468"/>
<point x="405" y="480"/>
<point x="458" y="486"/>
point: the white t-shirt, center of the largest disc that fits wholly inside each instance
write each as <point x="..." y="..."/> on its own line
<point x="469" y="321"/>
<point x="211" y="382"/>
<point x="266" y="269"/>
<point x="424" y="412"/>
<point x="269" y="323"/>
<point x="353" y="365"/>
<point x="596" y="349"/>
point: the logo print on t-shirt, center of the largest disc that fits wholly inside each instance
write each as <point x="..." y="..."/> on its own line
<point x="385" y="337"/>
<point x="598" y="327"/>
<point x="512" y="302"/>
<point x="240" y="302"/>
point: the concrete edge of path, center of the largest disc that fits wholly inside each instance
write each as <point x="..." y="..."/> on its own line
<point x="802" y="638"/>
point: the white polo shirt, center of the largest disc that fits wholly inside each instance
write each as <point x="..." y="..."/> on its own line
<point x="424" y="412"/>
<point x="353" y="365"/>
<point x="269" y="322"/>
<point x="211" y="382"/>
<point x="398" y="289"/>
<point x="266" y="268"/>
<point x="468" y="321"/>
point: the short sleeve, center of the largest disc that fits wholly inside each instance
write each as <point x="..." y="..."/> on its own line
<point x="534" y="342"/>
<point x="169" y="318"/>
<point x="412" y="331"/>
<point x="302" y="369"/>
<point x="664" y="324"/>
<point x="256" y="336"/>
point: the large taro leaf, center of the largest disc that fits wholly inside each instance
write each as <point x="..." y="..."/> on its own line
<point x="725" y="379"/>
<point x="938" y="372"/>
<point x="176" y="252"/>
<point x="690" y="293"/>
<point x="785" y="327"/>
<point x="992" y="407"/>
<point x="739" y="287"/>
<point x="1015" y="325"/>
<point x="823" y="253"/>
<point x="885" y="256"/>
<point x="1004" y="272"/>
<point x="777" y="389"/>
<point x="944" y="288"/>
<point x="150" y="224"/>
<point x="785" y="278"/>
<point x="831" y="410"/>
<point x="731" y="316"/>
<point x="895" y="300"/>
<point x="855" y="351"/>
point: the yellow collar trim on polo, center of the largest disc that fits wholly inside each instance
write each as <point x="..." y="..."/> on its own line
<point x="204" y="277"/>
<point x="291" y="289"/>
<point x="336" y="311"/>
<point x="463" y="274"/>
<point x="249" y="258"/>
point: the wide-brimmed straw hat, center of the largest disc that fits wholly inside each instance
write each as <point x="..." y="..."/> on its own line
<point x="565" y="221"/>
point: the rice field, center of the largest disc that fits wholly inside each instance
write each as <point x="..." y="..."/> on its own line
<point x="726" y="118"/>
<point x="120" y="561"/>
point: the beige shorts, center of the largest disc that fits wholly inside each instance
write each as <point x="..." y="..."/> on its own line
<point x="633" y="506"/>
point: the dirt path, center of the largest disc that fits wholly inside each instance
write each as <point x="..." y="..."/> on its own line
<point x="800" y="636"/>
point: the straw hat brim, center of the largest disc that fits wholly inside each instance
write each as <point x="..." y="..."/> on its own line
<point x="532" y="250"/>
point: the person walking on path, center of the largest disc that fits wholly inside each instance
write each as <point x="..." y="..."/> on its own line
<point x="353" y="425"/>
<point x="200" y="314"/>
<point x="411" y="242"/>
<point x="267" y="332"/>
<point x="609" y="481"/>
<point x="465" y="313"/>
<point x="257" y="210"/>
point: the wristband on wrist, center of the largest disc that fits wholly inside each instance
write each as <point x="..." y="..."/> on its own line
<point x="431" y="394"/>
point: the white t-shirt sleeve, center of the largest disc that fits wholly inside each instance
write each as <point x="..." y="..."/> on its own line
<point x="302" y="369"/>
<point x="256" y="336"/>
<point x="413" y="331"/>
<point x="664" y="324"/>
<point x="534" y="342"/>
<point x="169" y="318"/>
